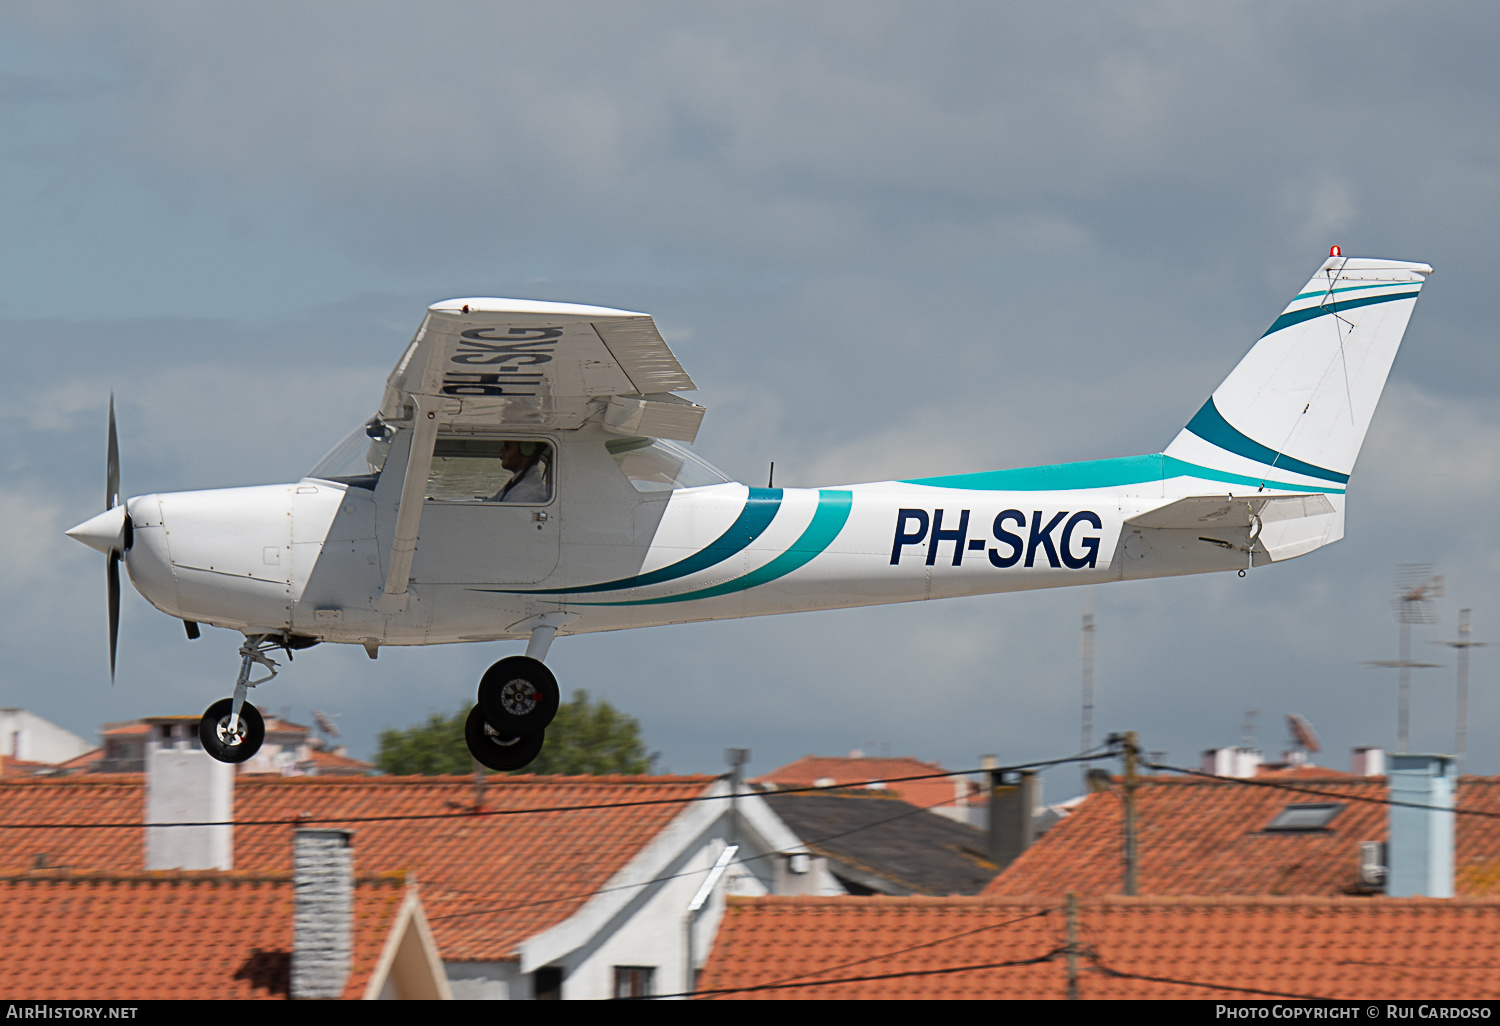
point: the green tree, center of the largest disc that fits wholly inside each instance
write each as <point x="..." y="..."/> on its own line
<point x="585" y="737"/>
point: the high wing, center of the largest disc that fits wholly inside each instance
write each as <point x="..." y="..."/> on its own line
<point x="514" y="362"/>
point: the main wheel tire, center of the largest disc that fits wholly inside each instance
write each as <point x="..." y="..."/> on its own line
<point x="518" y="695"/>
<point x="213" y="731"/>
<point x="497" y="751"/>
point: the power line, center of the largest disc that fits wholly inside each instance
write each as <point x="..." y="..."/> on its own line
<point x="1093" y="753"/>
<point x="1099" y="966"/>
<point x="914" y="947"/>
<point x="480" y="813"/>
<point x="1278" y="785"/>
<point x="675" y="876"/>
<point x="1049" y="956"/>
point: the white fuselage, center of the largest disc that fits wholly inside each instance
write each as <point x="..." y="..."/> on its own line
<point x="310" y="558"/>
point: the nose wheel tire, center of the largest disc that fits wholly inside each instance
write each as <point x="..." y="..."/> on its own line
<point x="496" y="750"/>
<point x="224" y="745"/>
<point x="518" y="695"/>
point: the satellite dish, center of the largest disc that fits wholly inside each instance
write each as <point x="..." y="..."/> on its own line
<point x="1303" y="735"/>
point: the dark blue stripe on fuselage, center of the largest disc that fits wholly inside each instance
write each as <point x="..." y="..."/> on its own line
<point x="760" y="509"/>
<point x="1209" y="424"/>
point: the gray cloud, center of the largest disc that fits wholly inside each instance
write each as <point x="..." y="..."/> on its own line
<point x="888" y="239"/>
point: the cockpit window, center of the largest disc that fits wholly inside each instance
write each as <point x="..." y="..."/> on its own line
<point x="511" y="470"/>
<point x="358" y="459"/>
<point x="657" y="465"/>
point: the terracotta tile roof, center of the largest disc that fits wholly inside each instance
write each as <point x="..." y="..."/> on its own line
<point x="1205" y="837"/>
<point x="1361" y="948"/>
<point x="82" y="763"/>
<point x="10" y="767"/>
<point x="326" y="761"/>
<point x="816" y="770"/>
<point x="124" y="729"/>
<point x="537" y="869"/>
<point x="146" y="936"/>
<point x="1302" y="772"/>
<point x="874" y="834"/>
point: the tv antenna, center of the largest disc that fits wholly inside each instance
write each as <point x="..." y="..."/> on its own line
<point x="1416" y="587"/>
<point x="1463" y="644"/>
<point x="325" y="723"/>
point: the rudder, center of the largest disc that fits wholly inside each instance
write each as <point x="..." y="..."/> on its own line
<point x="1297" y="407"/>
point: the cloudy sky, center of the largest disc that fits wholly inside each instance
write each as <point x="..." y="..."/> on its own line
<point x="888" y="240"/>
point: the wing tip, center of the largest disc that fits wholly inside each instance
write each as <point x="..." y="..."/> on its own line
<point x="493" y="305"/>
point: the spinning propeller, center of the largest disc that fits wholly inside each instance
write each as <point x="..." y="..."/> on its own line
<point x="110" y="533"/>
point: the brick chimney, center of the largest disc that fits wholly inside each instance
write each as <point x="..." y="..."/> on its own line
<point x="323" y="912"/>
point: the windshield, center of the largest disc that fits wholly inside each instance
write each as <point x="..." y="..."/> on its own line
<point x="657" y="465"/>
<point x="357" y="459"/>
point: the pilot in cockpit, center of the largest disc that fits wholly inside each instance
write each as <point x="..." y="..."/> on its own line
<point x="526" y="462"/>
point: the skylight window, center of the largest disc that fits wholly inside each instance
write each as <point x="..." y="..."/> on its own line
<point x="1306" y="817"/>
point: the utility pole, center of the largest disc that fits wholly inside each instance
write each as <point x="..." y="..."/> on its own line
<point x="1087" y="741"/>
<point x="1132" y="756"/>
<point x="1463" y="644"/>
<point x="737" y="758"/>
<point x="1072" y="913"/>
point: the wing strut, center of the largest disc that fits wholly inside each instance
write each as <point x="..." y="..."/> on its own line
<point x="413" y="492"/>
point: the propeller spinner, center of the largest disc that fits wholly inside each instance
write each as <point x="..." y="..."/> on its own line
<point x="109" y="532"/>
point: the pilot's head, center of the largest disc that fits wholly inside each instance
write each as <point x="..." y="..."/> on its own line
<point x="516" y="456"/>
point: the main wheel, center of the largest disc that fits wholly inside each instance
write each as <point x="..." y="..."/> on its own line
<point x="497" y="751"/>
<point x="518" y="696"/>
<point x="218" y="741"/>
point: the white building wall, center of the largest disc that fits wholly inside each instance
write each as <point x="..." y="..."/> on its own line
<point x="486" y="981"/>
<point x="25" y="735"/>
<point x="654" y="934"/>
<point x="623" y="925"/>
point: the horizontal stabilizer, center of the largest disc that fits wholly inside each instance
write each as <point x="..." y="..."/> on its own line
<point x="1223" y="511"/>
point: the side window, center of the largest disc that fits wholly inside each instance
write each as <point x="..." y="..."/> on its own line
<point x="509" y="470"/>
<point x="657" y="465"/>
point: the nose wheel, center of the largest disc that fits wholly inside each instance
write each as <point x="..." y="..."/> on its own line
<point x="229" y="738"/>
<point x="232" y="729"/>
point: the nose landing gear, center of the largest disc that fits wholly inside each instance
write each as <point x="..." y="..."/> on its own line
<point x="232" y="729"/>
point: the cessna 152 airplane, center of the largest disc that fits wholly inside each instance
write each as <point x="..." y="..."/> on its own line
<point x="522" y="479"/>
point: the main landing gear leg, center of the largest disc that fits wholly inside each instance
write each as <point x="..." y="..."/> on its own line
<point x="232" y="729"/>
<point x="518" y="697"/>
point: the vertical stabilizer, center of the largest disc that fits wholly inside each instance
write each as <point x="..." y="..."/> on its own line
<point x="1296" y="408"/>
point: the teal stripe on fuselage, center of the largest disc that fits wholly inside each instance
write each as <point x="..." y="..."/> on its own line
<point x="1286" y="320"/>
<point x="760" y="509"/>
<point x="1112" y="473"/>
<point x="828" y="520"/>
<point x="1209" y="424"/>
